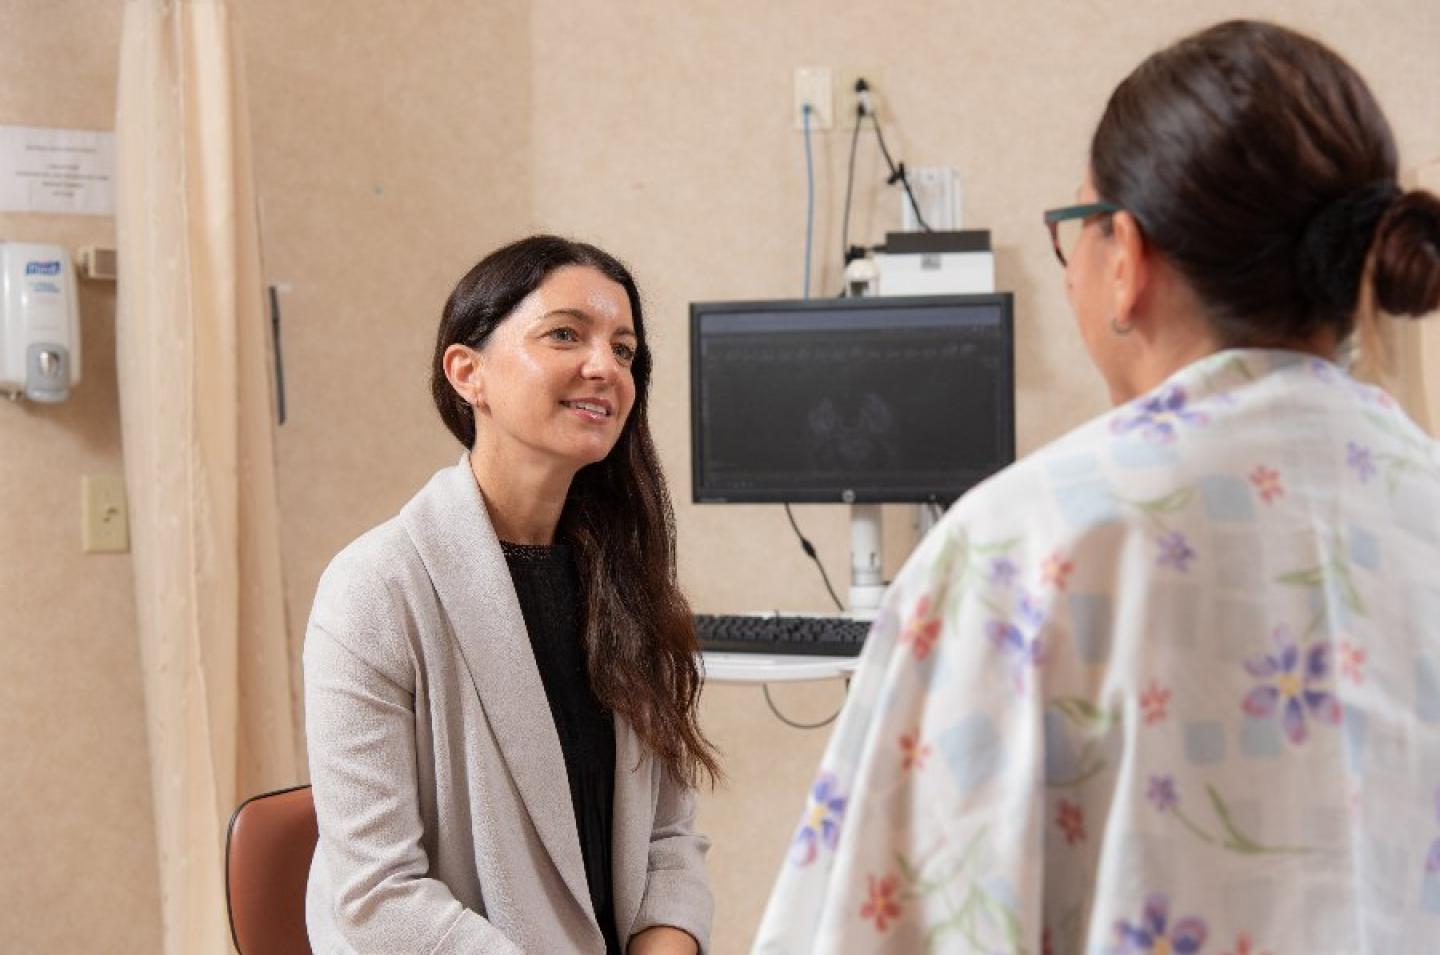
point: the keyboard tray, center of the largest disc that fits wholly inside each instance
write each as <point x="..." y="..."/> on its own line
<point x="781" y="634"/>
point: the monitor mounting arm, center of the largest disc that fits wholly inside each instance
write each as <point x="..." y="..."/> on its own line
<point x="866" y="586"/>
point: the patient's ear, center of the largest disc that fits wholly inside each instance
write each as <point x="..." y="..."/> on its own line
<point x="1129" y="268"/>
<point x="463" y="369"/>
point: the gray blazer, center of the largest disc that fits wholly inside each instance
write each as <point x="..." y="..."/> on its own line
<point x="445" y="816"/>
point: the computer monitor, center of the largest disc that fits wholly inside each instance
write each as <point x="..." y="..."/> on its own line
<point x="858" y="400"/>
<point x="861" y="401"/>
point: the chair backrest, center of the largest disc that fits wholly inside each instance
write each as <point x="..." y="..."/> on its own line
<point x="268" y="849"/>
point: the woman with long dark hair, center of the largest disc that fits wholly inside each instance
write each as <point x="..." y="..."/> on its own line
<point x="1172" y="683"/>
<point x="501" y="682"/>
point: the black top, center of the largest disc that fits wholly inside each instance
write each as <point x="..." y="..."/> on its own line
<point x="548" y="586"/>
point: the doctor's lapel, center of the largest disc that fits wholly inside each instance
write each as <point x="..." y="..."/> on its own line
<point x="452" y="533"/>
<point x="634" y="814"/>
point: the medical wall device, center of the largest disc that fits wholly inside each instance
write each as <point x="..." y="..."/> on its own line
<point x="39" y="322"/>
<point x="935" y="263"/>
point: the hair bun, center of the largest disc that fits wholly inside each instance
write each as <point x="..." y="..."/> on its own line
<point x="1330" y="258"/>
<point x="1407" y="255"/>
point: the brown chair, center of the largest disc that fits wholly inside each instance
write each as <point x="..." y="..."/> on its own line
<point x="268" y="849"/>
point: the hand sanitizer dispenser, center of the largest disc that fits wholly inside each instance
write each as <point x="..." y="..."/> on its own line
<point x="39" y="322"/>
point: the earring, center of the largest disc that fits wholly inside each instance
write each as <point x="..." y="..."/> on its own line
<point x="1119" y="329"/>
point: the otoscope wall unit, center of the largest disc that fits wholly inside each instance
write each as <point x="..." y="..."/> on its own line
<point x="39" y="322"/>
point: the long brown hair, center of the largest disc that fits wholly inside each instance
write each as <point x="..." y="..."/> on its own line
<point x="639" y="635"/>
<point x="1258" y="162"/>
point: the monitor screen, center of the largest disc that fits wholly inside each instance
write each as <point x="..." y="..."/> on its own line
<point x="868" y="400"/>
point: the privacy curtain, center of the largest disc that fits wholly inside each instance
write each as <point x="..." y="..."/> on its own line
<point x="196" y="416"/>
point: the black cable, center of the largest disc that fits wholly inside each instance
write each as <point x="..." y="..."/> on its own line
<point x="850" y="190"/>
<point x="797" y="725"/>
<point x="897" y="174"/>
<point x="809" y="549"/>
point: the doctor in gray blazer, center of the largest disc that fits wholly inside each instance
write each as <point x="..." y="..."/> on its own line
<point x="501" y="681"/>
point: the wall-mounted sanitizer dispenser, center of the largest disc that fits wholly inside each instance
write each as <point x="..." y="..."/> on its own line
<point x="39" y="322"/>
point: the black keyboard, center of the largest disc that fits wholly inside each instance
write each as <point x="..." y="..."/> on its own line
<point x="753" y="633"/>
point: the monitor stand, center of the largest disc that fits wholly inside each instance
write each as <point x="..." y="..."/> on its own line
<point x="866" y="586"/>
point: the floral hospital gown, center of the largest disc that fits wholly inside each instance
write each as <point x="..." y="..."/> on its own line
<point x="1169" y="685"/>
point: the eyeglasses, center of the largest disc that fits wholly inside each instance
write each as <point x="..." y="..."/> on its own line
<point x="1067" y="222"/>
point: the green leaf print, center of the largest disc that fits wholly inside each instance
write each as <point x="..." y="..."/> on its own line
<point x="968" y="907"/>
<point x="1336" y="567"/>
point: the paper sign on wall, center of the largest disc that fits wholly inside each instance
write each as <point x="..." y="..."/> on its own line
<point x="57" y="170"/>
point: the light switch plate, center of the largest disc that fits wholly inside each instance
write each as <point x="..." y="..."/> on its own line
<point x="105" y="521"/>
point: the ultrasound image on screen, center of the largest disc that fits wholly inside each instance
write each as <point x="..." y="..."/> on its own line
<point x="906" y="405"/>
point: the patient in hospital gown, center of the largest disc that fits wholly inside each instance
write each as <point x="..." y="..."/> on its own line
<point x="1169" y="685"/>
<point x="1172" y="683"/>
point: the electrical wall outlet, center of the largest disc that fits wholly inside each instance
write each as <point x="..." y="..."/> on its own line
<point x="848" y="99"/>
<point x="105" y="527"/>
<point x="813" y="85"/>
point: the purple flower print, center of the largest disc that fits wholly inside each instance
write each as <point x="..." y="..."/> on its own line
<point x="1158" y="416"/>
<point x="1359" y="460"/>
<point x="1291" y="691"/>
<point x="1162" y="793"/>
<point x="1003" y="571"/>
<point x="1030" y="612"/>
<point x="1010" y="640"/>
<point x="821" y="822"/>
<point x="1019" y="639"/>
<point x="1175" y="551"/>
<point x="1153" y="932"/>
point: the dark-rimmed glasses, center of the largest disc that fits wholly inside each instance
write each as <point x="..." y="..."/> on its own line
<point x="1078" y="216"/>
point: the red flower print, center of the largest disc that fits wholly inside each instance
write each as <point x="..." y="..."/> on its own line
<point x="913" y="751"/>
<point x="881" y="907"/>
<point x="1154" y="703"/>
<point x="1047" y="946"/>
<point x="1070" y="817"/>
<point x="923" y="629"/>
<point x="1267" y="483"/>
<point x="1352" y="663"/>
<point x="1055" y="571"/>
<point x="1243" y="946"/>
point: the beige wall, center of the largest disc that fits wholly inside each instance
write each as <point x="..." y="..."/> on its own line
<point x="392" y="144"/>
<point x="396" y="142"/>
